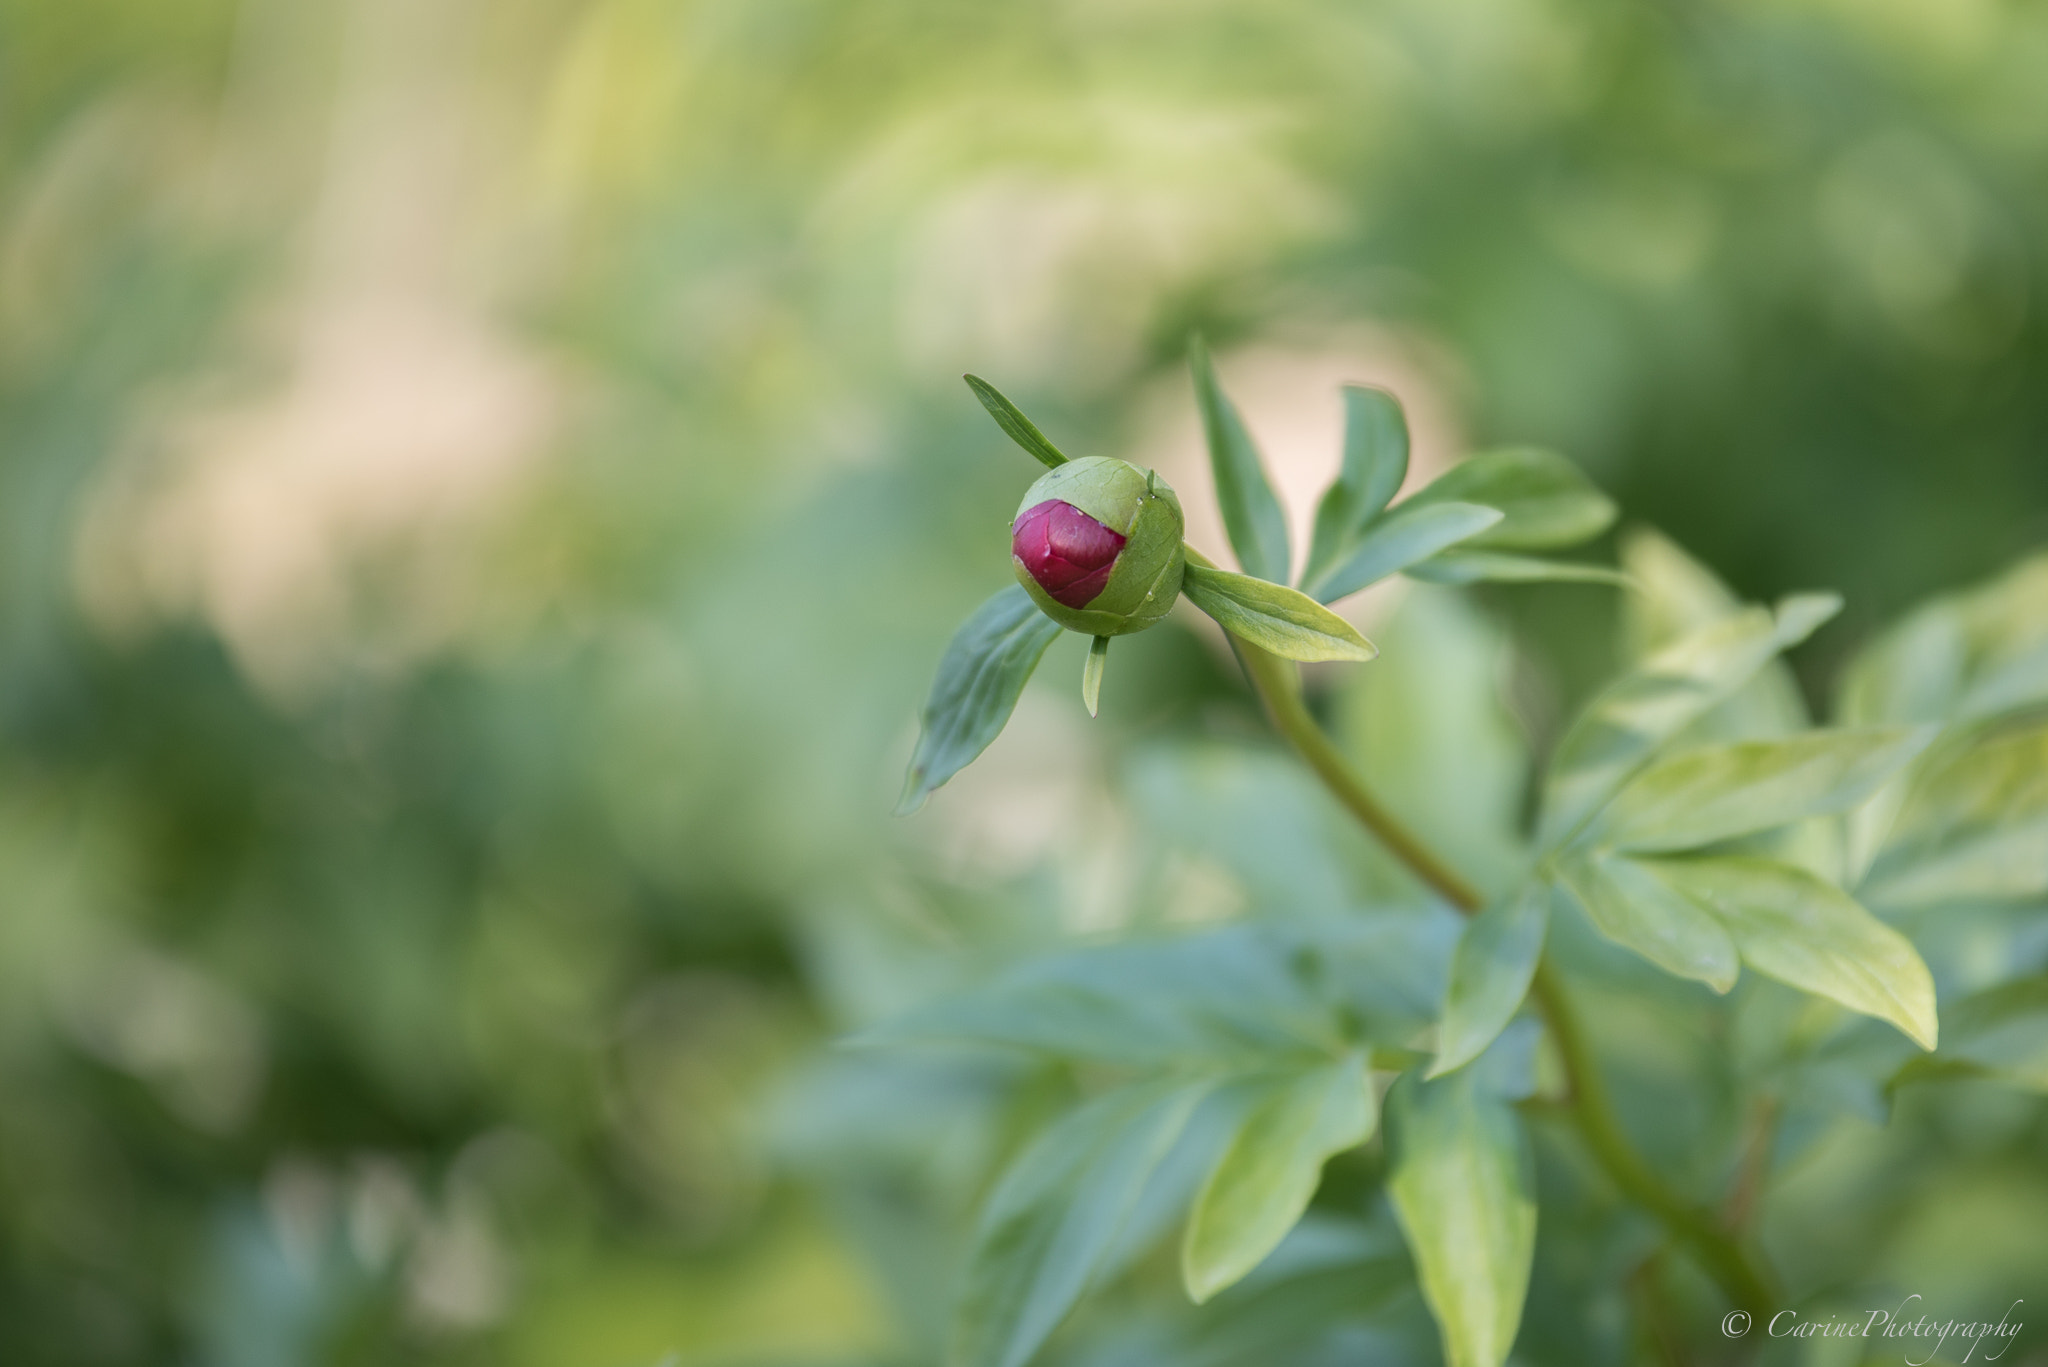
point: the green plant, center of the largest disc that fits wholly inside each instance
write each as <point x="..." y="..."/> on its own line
<point x="1692" y="814"/>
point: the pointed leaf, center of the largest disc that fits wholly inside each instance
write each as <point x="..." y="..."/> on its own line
<point x="1638" y="910"/>
<point x="1974" y="827"/>
<point x="1718" y="792"/>
<point x="1462" y="1188"/>
<point x="1091" y="673"/>
<point x="1291" y="1124"/>
<point x="1403" y="538"/>
<point x="1999" y="1032"/>
<point x="1375" y="463"/>
<point x="1471" y="567"/>
<point x="1011" y="419"/>
<point x="980" y="678"/>
<point x="1054" y="1215"/>
<point x="1792" y="926"/>
<point x="1548" y="501"/>
<point x="1622" y="728"/>
<point x="1251" y="512"/>
<point x="1273" y="617"/>
<point x="1490" y="974"/>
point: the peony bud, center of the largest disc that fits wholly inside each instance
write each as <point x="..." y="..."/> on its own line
<point x="1097" y="545"/>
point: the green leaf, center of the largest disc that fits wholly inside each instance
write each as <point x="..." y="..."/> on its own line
<point x="1402" y="538"/>
<point x="1375" y="463"/>
<point x="1623" y="727"/>
<point x="1974" y="827"/>
<point x="1056" y="1213"/>
<point x="1718" y="792"/>
<point x="1638" y="910"/>
<point x="1462" y="1188"/>
<point x="1547" y="501"/>
<point x="1091" y="673"/>
<point x="1792" y="926"/>
<point x="1490" y="974"/>
<point x="1251" y="513"/>
<point x="980" y="677"/>
<point x="1969" y="656"/>
<point x="1472" y="567"/>
<point x="1999" y="1032"/>
<point x="1292" y="1123"/>
<point x="1226" y="999"/>
<point x="1011" y="419"/>
<point x="1676" y="595"/>
<point x="1273" y="617"/>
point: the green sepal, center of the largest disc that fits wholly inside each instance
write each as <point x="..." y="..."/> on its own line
<point x="1011" y="419"/>
<point x="1091" y="673"/>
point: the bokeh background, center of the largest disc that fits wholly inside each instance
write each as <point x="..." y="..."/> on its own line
<point x="484" y="484"/>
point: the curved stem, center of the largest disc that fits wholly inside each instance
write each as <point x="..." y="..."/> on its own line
<point x="1278" y="684"/>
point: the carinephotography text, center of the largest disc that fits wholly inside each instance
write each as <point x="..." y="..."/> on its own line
<point x="1910" y="1323"/>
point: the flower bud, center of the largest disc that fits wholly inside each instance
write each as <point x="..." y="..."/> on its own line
<point x="1097" y="545"/>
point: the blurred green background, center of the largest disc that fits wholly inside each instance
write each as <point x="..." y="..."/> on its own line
<point x="483" y="487"/>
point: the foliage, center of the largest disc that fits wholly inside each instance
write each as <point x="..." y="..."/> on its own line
<point x="484" y="486"/>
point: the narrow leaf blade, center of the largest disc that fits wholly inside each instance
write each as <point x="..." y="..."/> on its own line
<point x="1547" y="500"/>
<point x="1375" y="464"/>
<point x="1463" y="566"/>
<point x="1403" y="538"/>
<point x="1792" y="926"/>
<point x="1251" y="512"/>
<point x="1490" y="974"/>
<point x="1091" y="673"/>
<point x="1463" y="1192"/>
<point x="1291" y="1125"/>
<point x="1055" y="1214"/>
<point x="1015" y="425"/>
<point x="983" y="672"/>
<point x="1273" y="617"/>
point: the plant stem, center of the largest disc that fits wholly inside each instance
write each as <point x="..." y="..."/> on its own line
<point x="1278" y="683"/>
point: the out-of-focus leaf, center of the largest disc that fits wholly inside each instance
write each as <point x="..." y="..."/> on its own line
<point x="1054" y="1215"/>
<point x="1789" y="925"/>
<point x="1274" y="617"/>
<point x="1410" y="534"/>
<point x="1462" y="1188"/>
<point x="1675" y="595"/>
<point x="1967" y="656"/>
<point x="1717" y="792"/>
<point x="1324" y="1274"/>
<point x="1999" y="1032"/>
<point x="1251" y="512"/>
<point x="1622" y="728"/>
<point x="1634" y="907"/>
<point x="1548" y="502"/>
<point x="1375" y="463"/>
<point x="1974" y="827"/>
<point x="1011" y="419"/>
<point x="1490" y="973"/>
<point x="1472" y="567"/>
<point x="980" y="677"/>
<point x="1431" y="733"/>
<point x="1233" y="998"/>
<point x="1292" y="1123"/>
